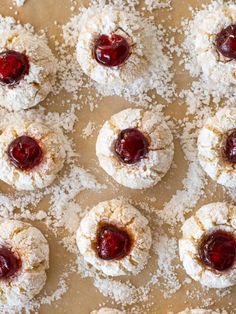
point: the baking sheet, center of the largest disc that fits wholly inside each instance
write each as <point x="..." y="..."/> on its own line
<point x="82" y="296"/>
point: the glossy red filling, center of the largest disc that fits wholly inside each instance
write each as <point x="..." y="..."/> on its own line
<point x="218" y="250"/>
<point x="131" y="146"/>
<point x="226" y="42"/>
<point x="111" y="50"/>
<point x="112" y="242"/>
<point x="229" y="147"/>
<point x="13" y="67"/>
<point x="10" y="263"/>
<point x="25" y="153"/>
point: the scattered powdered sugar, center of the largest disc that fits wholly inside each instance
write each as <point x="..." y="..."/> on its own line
<point x="89" y="129"/>
<point x="183" y="201"/>
<point x="57" y="294"/>
<point x="158" y="4"/>
<point x="19" y="3"/>
<point x="122" y="292"/>
<point x="64" y="210"/>
<point x="8" y="23"/>
<point x="166" y="250"/>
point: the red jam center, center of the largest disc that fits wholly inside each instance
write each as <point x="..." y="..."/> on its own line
<point x="218" y="250"/>
<point x="226" y="42"/>
<point x="10" y="263"/>
<point x="131" y="146"/>
<point x="25" y="153"/>
<point x="13" y="67"/>
<point x="229" y="147"/>
<point x="112" y="242"/>
<point x="111" y="50"/>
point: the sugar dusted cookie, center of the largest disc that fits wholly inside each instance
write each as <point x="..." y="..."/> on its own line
<point x="136" y="148"/>
<point x="117" y="49"/>
<point x="212" y="39"/>
<point x="106" y="310"/>
<point x="208" y="245"/>
<point x="31" y="155"/>
<point x="24" y="255"/>
<point x="27" y="66"/>
<point x="217" y="147"/>
<point x="115" y="238"/>
<point x="109" y="48"/>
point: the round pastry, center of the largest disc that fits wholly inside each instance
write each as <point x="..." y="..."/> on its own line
<point x="24" y="259"/>
<point x="27" y="66"/>
<point x="31" y="155"/>
<point x="136" y="148"/>
<point x="212" y="42"/>
<point x="200" y="311"/>
<point x="115" y="238"/>
<point x="208" y="245"/>
<point x="217" y="147"/>
<point x="106" y="310"/>
<point x="112" y="44"/>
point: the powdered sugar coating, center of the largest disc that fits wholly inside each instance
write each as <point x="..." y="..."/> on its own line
<point x="210" y="143"/>
<point x="106" y="310"/>
<point x="108" y="21"/>
<point x="202" y="35"/>
<point x="32" y="247"/>
<point x="125" y="215"/>
<point x="36" y="85"/>
<point x="150" y="170"/>
<point x="213" y="216"/>
<point x="144" y="70"/>
<point x="53" y="156"/>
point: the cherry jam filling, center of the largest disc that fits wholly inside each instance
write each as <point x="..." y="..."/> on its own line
<point x="13" y="67"/>
<point x="111" y="50"/>
<point x="218" y="250"/>
<point x="229" y="147"/>
<point x="10" y="263"/>
<point x="226" y="42"/>
<point x="112" y="242"/>
<point x="131" y="146"/>
<point x="25" y="153"/>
